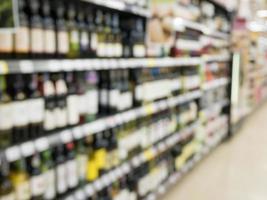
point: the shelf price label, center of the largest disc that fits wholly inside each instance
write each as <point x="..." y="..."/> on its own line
<point x="3" y="67"/>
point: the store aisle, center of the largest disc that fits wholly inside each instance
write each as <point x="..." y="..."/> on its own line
<point x="237" y="170"/>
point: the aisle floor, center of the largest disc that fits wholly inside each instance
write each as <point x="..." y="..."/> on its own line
<point x="236" y="170"/>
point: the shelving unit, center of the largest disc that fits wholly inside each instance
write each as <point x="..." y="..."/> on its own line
<point x="192" y="116"/>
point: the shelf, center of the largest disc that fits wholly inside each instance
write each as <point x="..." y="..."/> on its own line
<point x="179" y="24"/>
<point x="121" y="6"/>
<point x="210" y="85"/>
<point x="216" y="58"/>
<point x="54" y="65"/>
<point x="81" y="131"/>
<point x="214" y="109"/>
<point x="126" y="167"/>
<point x="174" y="178"/>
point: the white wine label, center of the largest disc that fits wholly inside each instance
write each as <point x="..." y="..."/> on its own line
<point x="61" y="117"/>
<point x="61" y="178"/>
<point x="94" y="41"/>
<point x="62" y="42"/>
<point x="10" y="196"/>
<point x="23" y="191"/>
<point x="82" y="162"/>
<point x="114" y="98"/>
<point x="22" y="40"/>
<point x="49" y="41"/>
<point x="139" y="92"/>
<point x="118" y="50"/>
<point x="49" y="120"/>
<point x="37" y="184"/>
<point x="84" y="39"/>
<point x="101" y="49"/>
<point x="104" y="97"/>
<point x="92" y="101"/>
<point x="6" y="121"/>
<point x="72" y="170"/>
<point x="50" y="189"/>
<point x="139" y="50"/>
<point x="49" y="88"/>
<point x="6" y="42"/>
<point x="72" y="109"/>
<point x="61" y="87"/>
<point x="19" y="109"/>
<point x="37" y="44"/>
<point x="36" y="110"/>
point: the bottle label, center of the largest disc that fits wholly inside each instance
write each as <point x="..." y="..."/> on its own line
<point x="49" y="41"/>
<point x="92" y="101"/>
<point x="22" y="191"/>
<point x="8" y="197"/>
<point x="6" y="121"/>
<point x="92" y="172"/>
<point x="49" y="120"/>
<point x="37" y="45"/>
<point x="36" y="110"/>
<point x="114" y="98"/>
<point x="104" y="97"/>
<point x="72" y="170"/>
<point x="19" y="110"/>
<point x="50" y="189"/>
<point x="139" y="92"/>
<point x="62" y="42"/>
<point x="61" y="178"/>
<point x="100" y="158"/>
<point x="84" y="41"/>
<point x="110" y="50"/>
<point x="118" y="47"/>
<point x="139" y="50"/>
<point x="83" y="104"/>
<point x="6" y="42"/>
<point x="37" y="185"/>
<point x="94" y="41"/>
<point x="74" y="42"/>
<point x="101" y="49"/>
<point x="72" y="107"/>
<point x="22" y="40"/>
<point x="61" y="117"/>
<point x="82" y="162"/>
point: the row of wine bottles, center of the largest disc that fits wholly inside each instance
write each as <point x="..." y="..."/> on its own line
<point x="33" y="105"/>
<point x="65" y="163"/>
<point x="72" y="29"/>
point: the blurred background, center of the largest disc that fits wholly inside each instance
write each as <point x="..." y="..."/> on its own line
<point x="133" y="99"/>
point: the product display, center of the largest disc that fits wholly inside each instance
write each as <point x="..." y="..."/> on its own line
<point x="93" y="106"/>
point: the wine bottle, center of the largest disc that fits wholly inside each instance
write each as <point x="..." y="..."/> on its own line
<point x="6" y="122"/>
<point x="36" y="30"/>
<point x="37" y="181"/>
<point x="73" y="31"/>
<point x="62" y="38"/>
<point x="20" y="179"/>
<point x="36" y="106"/>
<point x="6" y="187"/>
<point x="22" y="34"/>
<point x="99" y="22"/>
<point x="49" y="30"/>
<point x="19" y="108"/>
<point x="93" y="40"/>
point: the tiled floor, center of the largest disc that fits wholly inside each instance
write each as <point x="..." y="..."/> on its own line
<point x="237" y="170"/>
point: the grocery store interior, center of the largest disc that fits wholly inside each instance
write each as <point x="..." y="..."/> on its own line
<point x="193" y="125"/>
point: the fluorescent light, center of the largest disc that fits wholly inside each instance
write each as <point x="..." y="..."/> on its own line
<point x="262" y="13"/>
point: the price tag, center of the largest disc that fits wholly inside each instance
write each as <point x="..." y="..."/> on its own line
<point x="110" y="121"/>
<point x="89" y="190"/>
<point x="27" y="149"/>
<point x="66" y="65"/>
<point x="78" y="133"/>
<point x="53" y="66"/>
<point x="148" y="155"/>
<point x="105" y="180"/>
<point x="97" y="64"/>
<point x="126" y="168"/>
<point x="98" y="125"/>
<point x="112" y="176"/>
<point x="149" y="109"/>
<point x="87" y="64"/>
<point x="26" y="66"/>
<point x="79" y="195"/>
<point x="118" y="172"/>
<point x="3" y="67"/>
<point x="98" y="184"/>
<point x="13" y="154"/>
<point x="42" y="144"/>
<point x="151" y="62"/>
<point x="136" y="161"/>
<point x="66" y="136"/>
